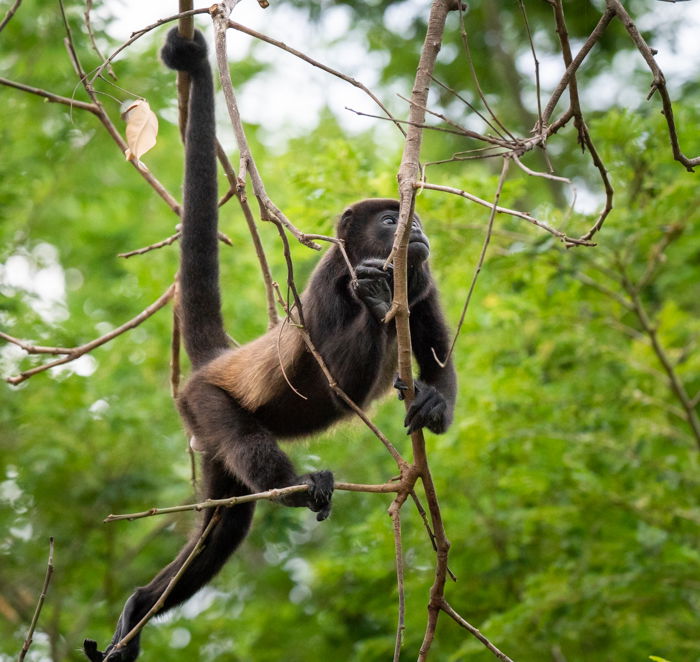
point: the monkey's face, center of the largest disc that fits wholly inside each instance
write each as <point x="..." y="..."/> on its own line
<point x="383" y="226"/>
<point x="368" y="228"/>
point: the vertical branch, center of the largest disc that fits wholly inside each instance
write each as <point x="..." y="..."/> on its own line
<point x="40" y="604"/>
<point x="239" y="192"/>
<point x="93" y="40"/>
<point x="395" y="514"/>
<point x="408" y="176"/>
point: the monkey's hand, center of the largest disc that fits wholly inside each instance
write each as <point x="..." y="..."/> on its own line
<point x="374" y="286"/>
<point x="428" y="409"/>
<point x="318" y="496"/>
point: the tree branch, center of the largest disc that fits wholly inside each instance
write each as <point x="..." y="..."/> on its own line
<point x="76" y="352"/>
<point x="268" y="495"/>
<point x="42" y="596"/>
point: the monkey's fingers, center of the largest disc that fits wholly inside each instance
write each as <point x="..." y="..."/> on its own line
<point x="374" y="268"/>
<point x="401" y="386"/>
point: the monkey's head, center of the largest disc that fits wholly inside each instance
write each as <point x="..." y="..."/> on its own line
<point x="368" y="228"/>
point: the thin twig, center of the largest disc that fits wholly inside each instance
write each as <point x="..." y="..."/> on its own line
<point x="592" y="40"/>
<point x="239" y="192"/>
<point x="91" y="35"/>
<point x="535" y="60"/>
<point x="107" y="122"/>
<point x="269" y="495"/>
<point x="34" y="349"/>
<point x="482" y="256"/>
<point x="566" y="239"/>
<point x="659" y="82"/>
<point x="428" y="528"/>
<point x="97" y="73"/>
<point x="40" y="604"/>
<point x="467" y="51"/>
<point x="171" y="584"/>
<point x="247" y="163"/>
<point x="51" y="97"/>
<point x="316" y="63"/>
<point x="395" y="514"/>
<point x="77" y="352"/>
<point x="10" y="13"/>
<point x="474" y="631"/>
<point x="147" y="249"/>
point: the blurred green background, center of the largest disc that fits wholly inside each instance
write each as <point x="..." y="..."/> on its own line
<point x="569" y="481"/>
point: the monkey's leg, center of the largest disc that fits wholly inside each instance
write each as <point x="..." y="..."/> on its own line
<point x="222" y="540"/>
<point x="248" y="450"/>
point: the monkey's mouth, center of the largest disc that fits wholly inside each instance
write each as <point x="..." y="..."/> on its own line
<point x="419" y="247"/>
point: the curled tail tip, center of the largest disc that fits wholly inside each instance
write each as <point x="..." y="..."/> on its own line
<point x="184" y="54"/>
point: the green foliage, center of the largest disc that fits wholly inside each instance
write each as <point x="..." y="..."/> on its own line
<point x="569" y="482"/>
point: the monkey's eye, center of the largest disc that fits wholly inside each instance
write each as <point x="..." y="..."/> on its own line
<point x="389" y="219"/>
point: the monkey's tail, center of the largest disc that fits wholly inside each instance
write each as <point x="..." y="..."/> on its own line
<point x="200" y="298"/>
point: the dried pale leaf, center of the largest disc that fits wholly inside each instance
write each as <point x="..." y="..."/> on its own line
<point x="141" y="128"/>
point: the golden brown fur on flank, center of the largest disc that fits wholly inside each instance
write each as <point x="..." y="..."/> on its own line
<point x="253" y="374"/>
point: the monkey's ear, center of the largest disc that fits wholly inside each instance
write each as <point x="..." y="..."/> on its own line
<point x="344" y="221"/>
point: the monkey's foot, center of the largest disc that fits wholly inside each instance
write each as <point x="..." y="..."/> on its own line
<point x="428" y="409"/>
<point x="318" y="497"/>
<point x="126" y="654"/>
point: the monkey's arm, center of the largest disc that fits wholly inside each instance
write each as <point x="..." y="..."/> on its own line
<point x="436" y="387"/>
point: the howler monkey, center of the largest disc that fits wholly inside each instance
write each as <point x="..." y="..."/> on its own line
<point x="237" y="402"/>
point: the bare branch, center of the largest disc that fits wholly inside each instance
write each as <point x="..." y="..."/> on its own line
<point x="91" y="35"/>
<point x="535" y="61"/>
<point x="319" y="65"/>
<point x="395" y="514"/>
<point x="77" y="352"/>
<point x="135" y="36"/>
<point x="592" y="40"/>
<point x="51" y="97"/>
<point x="487" y="238"/>
<point x="428" y="528"/>
<point x="171" y="584"/>
<point x="247" y="163"/>
<point x="239" y="191"/>
<point x="471" y="629"/>
<point x="659" y="82"/>
<point x="566" y="239"/>
<point x="268" y="495"/>
<point x="40" y="604"/>
<point x="10" y="13"/>
<point x="147" y="249"/>
<point x="107" y="122"/>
